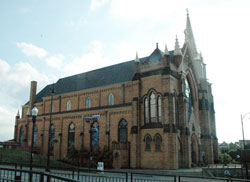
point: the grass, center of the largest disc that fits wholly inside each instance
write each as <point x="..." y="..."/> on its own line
<point x="21" y="157"/>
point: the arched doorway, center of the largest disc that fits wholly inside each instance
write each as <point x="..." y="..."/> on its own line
<point x="194" y="149"/>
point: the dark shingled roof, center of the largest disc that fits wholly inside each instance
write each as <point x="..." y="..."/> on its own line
<point x="118" y="73"/>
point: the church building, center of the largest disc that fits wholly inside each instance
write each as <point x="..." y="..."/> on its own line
<point x="152" y="112"/>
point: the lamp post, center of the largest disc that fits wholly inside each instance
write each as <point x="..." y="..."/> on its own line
<point x="34" y="113"/>
<point x="244" y="144"/>
<point x="50" y="120"/>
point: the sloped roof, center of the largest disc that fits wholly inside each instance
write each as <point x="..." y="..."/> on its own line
<point x="118" y="73"/>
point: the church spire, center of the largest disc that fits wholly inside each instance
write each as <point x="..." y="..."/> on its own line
<point x="189" y="36"/>
<point x="177" y="50"/>
<point x="137" y="58"/>
<point x="166" y="50"/>
<point x="18" y="115"/>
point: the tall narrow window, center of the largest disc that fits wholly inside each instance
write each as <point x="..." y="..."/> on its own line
<point x="146" y="110"/>
<point x="148" y="140"/>
<point x="68" y="105"/>
<point x="123" y="131"/>
<point x="152" y="108"/>
<point x="111" y="99"/>
<point x="35" y="135"/>
<point x="157" y="142"/>
<point x="52" y="136"/>
<point x="71" y="136"/>
<point x="88" y="102"/>
<point x="21" y="136"/>
<point x="159" y="109"/>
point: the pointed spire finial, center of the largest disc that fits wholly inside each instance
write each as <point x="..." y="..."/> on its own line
<point x="137" y="58"/>
<point x="156" y="45"/>
<point x="166" y="50"/>
<point x="18" y="115"/>
<point x="177" y="50"/>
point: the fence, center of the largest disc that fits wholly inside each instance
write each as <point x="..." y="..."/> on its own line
<point x="21" y="175"/>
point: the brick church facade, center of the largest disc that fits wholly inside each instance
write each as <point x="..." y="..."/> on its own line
<point x="153" y="112"/>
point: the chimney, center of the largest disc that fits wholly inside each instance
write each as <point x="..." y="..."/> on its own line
<point x="32" y="94"/>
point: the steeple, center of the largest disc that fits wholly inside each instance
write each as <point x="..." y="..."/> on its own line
<point x="177" y="50"/>
<point x="166" y="50"/>
<point x="137" y="58"/>
<point x="18" y="115"/>
<point x="189" y="36"/>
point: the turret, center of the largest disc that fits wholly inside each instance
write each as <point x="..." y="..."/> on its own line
<point x="177" y="53"/>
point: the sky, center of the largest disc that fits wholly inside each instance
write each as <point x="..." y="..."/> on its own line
<point x="50" y="39"/>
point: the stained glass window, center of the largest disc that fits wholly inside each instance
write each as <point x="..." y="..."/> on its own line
<point x="71" y="136"/>
<point x="123" y="131"/>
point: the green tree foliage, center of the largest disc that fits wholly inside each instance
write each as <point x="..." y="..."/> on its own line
<point x="225" y="158"/>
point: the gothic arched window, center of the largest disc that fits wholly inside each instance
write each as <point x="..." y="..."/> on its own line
<point x="21" y="136"/>
<point x="111" y="99"/>
<point x="146" y="110"/>
<point x="123" y="131"/>
<point x="88" y="102"/>
<point x="148" y="141"/>
<point x="52" y="137"/>
<point x="152" y="108"/>
<point x="157" y="140"/>
<point x="68" y="105"/>
<point x="71" y="136"/>
<point x="35" y="135"/>
<point x="159" y="109"/>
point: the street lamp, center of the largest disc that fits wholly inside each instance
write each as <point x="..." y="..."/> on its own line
<point x="50" y="120"/>
<point x="244" y="144"/>
<point x="34" y="113"/>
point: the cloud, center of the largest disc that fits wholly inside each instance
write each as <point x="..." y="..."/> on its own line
<point x="77" y="24"/>
<point x="31" y="50"/>
<point x="7" y="121"/>
<point x="55" y="61"/>
<point x="95" y="4"/>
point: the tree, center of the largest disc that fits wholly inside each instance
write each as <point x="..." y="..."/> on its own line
<point x="225" y="158"/>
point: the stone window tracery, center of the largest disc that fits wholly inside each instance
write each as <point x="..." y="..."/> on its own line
<point x="158" y="142"/>
<point x="123" y="131"/>
<point x="148" y="141"/>
<point x="88" y="102"/>
<point x="153" y="108"/>
<point x="71" y="136"/>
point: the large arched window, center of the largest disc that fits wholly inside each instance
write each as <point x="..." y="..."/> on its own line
<point x="123" y="131"/>
<point x="35" y="135"/>
<point x="68" y="105"/>
<point x="71" y="136"/>
<point x="148" y="141"/>
<point x="52" y="137"/>
<point x="21" y="136"/>
<point x="157" y="140"/>
<point x="146" y="110"/>
<point x="88" y="102"/>
<point x="111" y="99"/>
<point x="159" y="109"/>
<point x="152" y="108"/>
